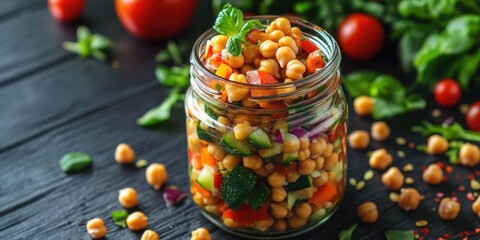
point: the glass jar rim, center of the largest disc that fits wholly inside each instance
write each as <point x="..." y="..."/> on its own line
<point x="323" y="74"/>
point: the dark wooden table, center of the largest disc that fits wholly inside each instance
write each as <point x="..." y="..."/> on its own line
<point x="51" y="102"/>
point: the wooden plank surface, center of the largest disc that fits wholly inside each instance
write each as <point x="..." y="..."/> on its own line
<point x="52" y="103"/>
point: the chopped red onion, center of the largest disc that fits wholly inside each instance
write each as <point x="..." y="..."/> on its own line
<point x="277" y="137"/>
<point x="173" y="196"/>
<point x="299" y="132"/>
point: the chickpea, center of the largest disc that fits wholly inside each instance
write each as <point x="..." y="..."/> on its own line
<point x="319" y="162"/>
<point x="306" y="167"/>
<point x="218" y="42"/>
<point x="288" y="42"/>
<point x="282" y="24"/>
<point x="150" y="235"/>
<point x="230" y="161"/>
<point x="380" y="131"/>
<point x="328" y="150"/>
<point x="156" y="175"/>
<point x="245" y="68"/>
<point x="295" y="69"/>
<point x="296" y="31"/>
<point x="270" y="66"/>
<point x="232" y="61"/>
<point x="279" y="210"/>
<point x="291" y="143"/>
<point x="476" y="207"/>
<point x="304" y="143"/>
<point x="242" y="130"/>
<point x="409" y="199"/>
<point x="330" y="162"/>
<point x="293" y="177"/>
<point x="393" y="178"/>
<point x="380" y="159"/>
<point x="250" y="53"/>
<point x="303" y="210"/>
<point x="469" y="155"/>
<point x="368" y="212"/>
<point x="124" y="154"/>
<point x="236" y="93"/>
<point x="278" y="194"/>
<point x="257" y="61"/>
<point x="275" y="35"/>
<point x="137" y="221"/>
<point x="284" y="55"/>
<point x="230" y="223"/>
<point x="268" y="48"/>
<point x="253" y="162"/>
<point x="317" y="147"/>
<point x="433" y="174"/>
<point x="263" y="225"/>
<point x="288" y="89"/>
<point x="437" y="144"/>
<point x="448" y="209"/>
<point x="359" y="139"/>
<point x="96" y="228"/>
<point x="127" y="197"/>
<point x="276" y="179"/>
<point x="201" y="234"/>
<point x="222" y="124"/>
<point x="263" y="171"/>
<point x="363" y="105"/>
<point x="303" y="154"/>
<point x="215" y="151"/>
<point x="296" y="222"/>
<point x="280" y="225"/>
<point x="320" y="180"/>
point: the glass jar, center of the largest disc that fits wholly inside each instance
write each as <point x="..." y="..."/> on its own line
<point x="282" y="165"/>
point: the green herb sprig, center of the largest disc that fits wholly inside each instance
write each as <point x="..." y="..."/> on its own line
<point x="119" y="217"/>
<point x="89" y="45"/>
<point x="347" y="233"/>
<point x="390" y="95"/>
<point x="73" y="162"/>
<point x="453" y="151"/>
<point x="452" y="132"/>
<point x="399" y="235"/>
<point x="230" y="23"/>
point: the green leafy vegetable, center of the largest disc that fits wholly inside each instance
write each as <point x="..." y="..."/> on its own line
<point x="119" y="217"/>
<point x="390" y="95"/>
<point x="89" y="44"/>
<point x="75" y="162"/>
<point x="347" y="233"/>
<point x="229" y="22"/>
<point x="161" y="113"/>
<point x="399" y="235"/>
<point x="453" y="132"/>
<point x="453" y="151"/>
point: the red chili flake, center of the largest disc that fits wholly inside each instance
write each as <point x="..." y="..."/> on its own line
<point x="411" y="145"/>
<point x="477" y="230"/>
<point x="440" y="194"/>
<point x="425" y="231"/>
<point x="470" y="197"/>
<point x="441" y="165"/>
<point x="461" y="188"/>
<point x="446" y="235"/>
<point x="437" y="200"/>
<point x="449" y="169"/>
<point x="455" y="199"/>
<point x="457" y="177"/>
<point x="477" y="173"/>
<point x="471" y="177"/>
<point x="423" y="168"/>
<point x="444" y="179"/>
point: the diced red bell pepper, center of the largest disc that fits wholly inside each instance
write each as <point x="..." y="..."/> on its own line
<point x="246" y="215"/>
<point x="286" y="169"/>
<point x="308" y="46"/>
<point x="217" y="180"/>
<point x="336" y="132"/>
<point x="222" y="206"/>
<point x="326" y="193"/>
<point x="207" y="158"/>
<point x="209" y="50"/>
<point x="315" y="61"/>
<point x="214" y="61"/>
<point x="261" y="78"/>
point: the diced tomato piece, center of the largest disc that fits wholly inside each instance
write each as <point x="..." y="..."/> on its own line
<point x="196" y="161"/>
<point x="204" y="192"/>
<point x="315" y="61"/>
<point x="308" y="46"/>
<point x="207" y="158"/>
<point x="222" y="206"/>
<point x="286" y="169"/>
<point x="217" y="180"/>
<point x="224" y="71"/>
<point x="326" y="193"/>
<point x="261" y="78"/>
<point x="214" y="61"/>
<point x="336" y="132"/>
<point x="254" y="36"/>
<point x="245" y="215"/>
<point x="209" y="50"/>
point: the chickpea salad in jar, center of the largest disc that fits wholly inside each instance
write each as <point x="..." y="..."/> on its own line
<point x="266" y="125"/>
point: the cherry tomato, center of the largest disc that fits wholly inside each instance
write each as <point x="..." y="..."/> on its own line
<point x="473" y="116"/>
<point x="155" y="19"/>
<point x="447" y="92"/>
<point x="315" y="61"/>
<point x="66" y="10"/>
<point x="360" y="36"/>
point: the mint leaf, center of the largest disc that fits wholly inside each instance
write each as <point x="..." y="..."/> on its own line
<point x="399" y="235"/>
<point x="119" y="217"/>
<point x="229" y="21"/>
<point x="347" y="233"/>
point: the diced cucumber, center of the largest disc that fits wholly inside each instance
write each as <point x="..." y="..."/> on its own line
<point x="209" y="111"/>
<point x="318" y="215"/>
<point x="205" y="178"/>
<point x="300" y="195"/>
<point x="237" y="186"/>
<point x="260" y="194"/>
<point x="270" y="152"/>
<point x="301" y="183"/>
<point x="289" y="157"/>
<point x="203" y="134"/>
<point x="259" y="139"/>
<point x="233" y="146"/>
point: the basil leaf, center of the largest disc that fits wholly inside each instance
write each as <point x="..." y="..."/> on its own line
<point x="359" y="83"/>
<point x="160" y="113"/>
<point x="83" y="33"/>
<point x="234" y="45"/>
<point x="249" y="26"/>
<point x="399" y="235"/>
<point x="119" y="217"/>
<point x="75" y="162"/>
<point x="100" y="42"/>
<point x="229" y="21"/>
<point x="173" y="77"/>
<point x="163" y="56"/>
<point x="387" y="87"/>
<point x="347" y="233"/>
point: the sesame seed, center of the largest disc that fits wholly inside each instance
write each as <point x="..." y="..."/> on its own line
<point x="393" y="197"/>
<point x="368" y="175"/>
<point x="360" y="185"/>
<point x="421" y="223"/>
<point x="475" y="185"/>
<point x="409" y="180"/>
<point x="141" y="163"/>
<point x="463" y="108"/>
<point x="400" y="141"/>
<point x="436" y="113"/>
<point x="352" y="182"/>
<point x="408" y="167"/>
<point x="401" y="154"/>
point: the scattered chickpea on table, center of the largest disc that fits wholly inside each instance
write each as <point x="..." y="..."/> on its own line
<point x="368" y="212"/>
<point x="380" y="131"/>
<point x="380" y="159"/>
<point x="96" y="228"/>
<point x="124" y="154"/>
<point x="127" y="197"/>
<point x="437" y="144"/>
<point x="359" y="139"/>
<point x="393" y="178"/>
<point x="156" y="175"/>
<point x="409" y="199"/>
<point x="137" y="221"/>
<point x="363" y="105"/>
<point x="448" y="209"/>
<point x="433" y="174"/>
<point x="150" y="235"/>
<point x="469" y="154"/>
<point x="201" y="234"/>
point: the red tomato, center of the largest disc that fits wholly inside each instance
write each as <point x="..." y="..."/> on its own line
<point x="447" y="92"/>
<point x="473" y="116"/>
<point x="66" y="10"/>
<point x="260" y="77"/>
<point x="315" y="61"/>
<point x="155" y="19"/>
<point x="360" y="36"/>
<point x="308" y="46"/>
